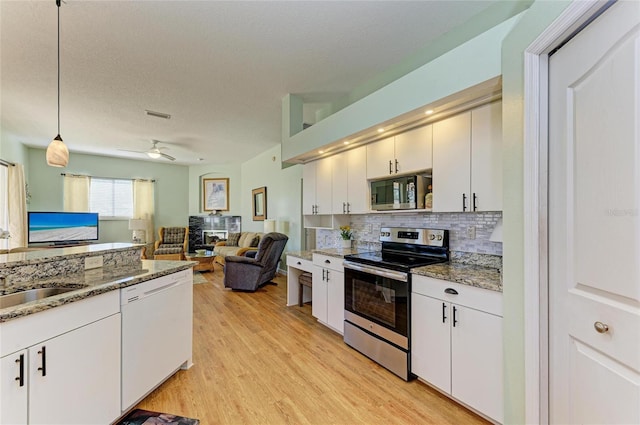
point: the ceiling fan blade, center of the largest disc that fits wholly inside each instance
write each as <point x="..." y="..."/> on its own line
<point x="169" y="157"/>
<point x="129" y="150"/>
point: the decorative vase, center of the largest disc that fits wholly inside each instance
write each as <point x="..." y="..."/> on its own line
<point x="346" y="243"/>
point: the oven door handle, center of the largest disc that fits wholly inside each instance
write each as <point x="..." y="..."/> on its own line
<point x="378" y="271"/>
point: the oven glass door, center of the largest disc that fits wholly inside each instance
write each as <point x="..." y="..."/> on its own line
<point x="380" y="299"/>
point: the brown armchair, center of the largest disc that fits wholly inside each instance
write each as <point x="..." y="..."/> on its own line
<point x="248" y="274"/>
<point x="172" y="243"/>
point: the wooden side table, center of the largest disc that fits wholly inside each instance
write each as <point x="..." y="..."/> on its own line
<point x="205" y="262"/>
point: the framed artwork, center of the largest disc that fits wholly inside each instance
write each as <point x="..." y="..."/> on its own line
<point x="259" y="202"/>
<point x="215" y="194"/>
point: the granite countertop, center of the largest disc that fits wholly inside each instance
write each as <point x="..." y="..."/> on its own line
<point x="53" y="253"/>
<point x="90" y="283"/>
<point x="466" y="274"/>
<point x="331" y="252"/>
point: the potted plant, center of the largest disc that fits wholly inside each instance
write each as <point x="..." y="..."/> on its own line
<point x="345" y="234"/>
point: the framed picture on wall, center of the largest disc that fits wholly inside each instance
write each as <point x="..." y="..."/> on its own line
<point x="215" y="194"/>
<point x="259" y="202"/>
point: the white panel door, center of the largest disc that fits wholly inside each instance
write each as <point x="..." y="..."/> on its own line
<point x="452" y="163"/>
<point x="431" y="340"/>
<point x="380" y="157"/>
<point x="339" y="183"/>
<point x="357" y="184"/>
<point x="14" y="388"/>
<point x="476" y="360"/>
<point x="486" y="158"/>
<point x="82" y="380"/>
<point x="323" y="186"/>
<point x="309" y="188"/>
<point x="594" y="223"/>
<point x="413" y="150"/>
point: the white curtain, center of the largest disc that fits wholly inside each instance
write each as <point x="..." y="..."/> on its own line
<point x="17" y="203"/>
<point x="144" y="205"/>
<point x="76" y="193"/>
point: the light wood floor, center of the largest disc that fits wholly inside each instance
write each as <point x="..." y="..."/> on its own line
<point x="257" y="361"/>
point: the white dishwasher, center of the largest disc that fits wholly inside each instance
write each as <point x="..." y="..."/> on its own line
<point x="156" y="333"/>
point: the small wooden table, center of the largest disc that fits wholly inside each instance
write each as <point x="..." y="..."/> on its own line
<point x="205" y="262"/>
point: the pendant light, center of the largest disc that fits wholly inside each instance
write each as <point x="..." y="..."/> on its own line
<point x="57" y="152"/>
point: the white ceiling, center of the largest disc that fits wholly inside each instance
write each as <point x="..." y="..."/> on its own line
<point x="219" y="68"/>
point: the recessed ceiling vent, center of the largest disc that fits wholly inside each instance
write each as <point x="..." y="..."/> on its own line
<point x="157" y="114"/>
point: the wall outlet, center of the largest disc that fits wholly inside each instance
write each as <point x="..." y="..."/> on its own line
<point x="471" y="232"/>
<point x="93" y="262"/>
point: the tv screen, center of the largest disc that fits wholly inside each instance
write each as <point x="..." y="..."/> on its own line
<point x="62" y="227"/>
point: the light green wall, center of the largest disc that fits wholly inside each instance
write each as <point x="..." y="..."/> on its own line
<point x="534" y="21"/>
<point x="284" y="194"/>
<point x="13" y="151"/>
<point x="171" y="198"/>
<point x="469" y="64"/>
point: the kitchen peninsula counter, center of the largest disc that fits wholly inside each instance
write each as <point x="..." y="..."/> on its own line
<point x="89" y="283"/>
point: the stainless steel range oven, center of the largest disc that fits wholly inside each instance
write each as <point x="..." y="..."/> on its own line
<point x="377" y="294"/>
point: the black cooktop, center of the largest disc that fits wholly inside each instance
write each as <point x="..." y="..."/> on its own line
<point x="394" y="260"/>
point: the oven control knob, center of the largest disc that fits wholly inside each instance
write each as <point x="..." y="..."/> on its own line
<point x="439" y="237"/>
<point x="432" y="237"/>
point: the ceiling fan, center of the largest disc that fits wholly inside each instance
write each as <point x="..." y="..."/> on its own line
<point x="154" y="152"/>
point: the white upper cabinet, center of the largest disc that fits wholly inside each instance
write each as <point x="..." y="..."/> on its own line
<point x="414" y="149"/>
<point x="467" y="161"/>
<point x="407" y="152"/>
<point x="486" y="157"/>
<point x="349" y="182"/>
<point x="316" y="187"/>
<point x="452" y="163"/>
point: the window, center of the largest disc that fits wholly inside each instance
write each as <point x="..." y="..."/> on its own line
<point x="111" y="198"/>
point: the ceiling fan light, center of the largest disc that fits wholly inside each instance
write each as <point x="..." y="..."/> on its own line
<point x="57" y="153"/>
<point x="154" y="155"/>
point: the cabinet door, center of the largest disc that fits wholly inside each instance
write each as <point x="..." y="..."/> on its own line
<point x="430" y="340"/>
<point x="309" y="188"/>
<point x="413" y="150"/>
<point x="486" y="157"/>
<point x="335" y="300"/>
<point x="380" y="156"/>
<point x="476" y="361"/>
<point x="13" y="391"/>
<point x="323" y="186"/>
<point x="339" y="183"/>
<point x="319" y="294"/>
<point x="452" y="163"/>
<point x="357" y="186"/>
<point x="82" y="382"/>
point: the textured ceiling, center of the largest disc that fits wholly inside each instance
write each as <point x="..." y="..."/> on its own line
<point x="219" y="68"/>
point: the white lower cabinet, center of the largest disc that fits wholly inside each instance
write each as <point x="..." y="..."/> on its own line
<point x="456" y="342"/>
<point x="69" y="376"/>
<point x="328" y="291"/>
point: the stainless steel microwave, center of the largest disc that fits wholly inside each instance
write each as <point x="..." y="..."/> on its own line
<point x="399" y="193"/>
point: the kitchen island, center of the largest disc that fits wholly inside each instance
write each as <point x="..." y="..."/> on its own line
<point x="81" y="356"/>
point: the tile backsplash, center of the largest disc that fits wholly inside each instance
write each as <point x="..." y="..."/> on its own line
<point x="366" y="230"/>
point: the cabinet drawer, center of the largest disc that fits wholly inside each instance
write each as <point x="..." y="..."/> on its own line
<point x="328" y="262"/>
<point x="299" y="263"/>
<point x="469" y="296"/>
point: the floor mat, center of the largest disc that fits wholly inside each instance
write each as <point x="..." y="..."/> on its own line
<point x="145" y="417"/>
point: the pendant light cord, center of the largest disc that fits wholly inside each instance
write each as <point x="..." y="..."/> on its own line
<point x="58" y="4"/>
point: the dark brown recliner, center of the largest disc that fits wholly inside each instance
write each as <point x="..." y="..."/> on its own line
<point x="248" y="274"/>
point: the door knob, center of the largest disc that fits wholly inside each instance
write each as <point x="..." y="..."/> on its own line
<point x="601" y="328"/>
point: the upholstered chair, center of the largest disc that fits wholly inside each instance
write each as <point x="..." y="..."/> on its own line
<point x="248" y="274"/>
<point x="172" y="243"/>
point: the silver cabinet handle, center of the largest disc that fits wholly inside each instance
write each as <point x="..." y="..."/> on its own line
<point x="601" y="328"/>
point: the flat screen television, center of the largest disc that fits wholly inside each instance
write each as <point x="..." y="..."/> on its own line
<point x="62" y="227"/>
